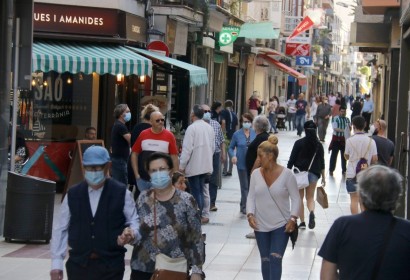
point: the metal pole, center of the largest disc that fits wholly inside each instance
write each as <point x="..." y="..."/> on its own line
<point x="169" y="98"/>
<point x="16" y="93"/>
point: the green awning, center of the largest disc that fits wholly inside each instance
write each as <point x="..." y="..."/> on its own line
<point x="259" y="30"/>
<point x="197" y="75"/>
<point x="88" y="58"/>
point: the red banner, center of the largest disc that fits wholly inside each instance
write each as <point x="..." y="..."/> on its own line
<point x="294" y="49"/>
<point x="304" y="25"/>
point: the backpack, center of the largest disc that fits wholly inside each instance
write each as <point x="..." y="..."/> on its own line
<point x="363" y="164"/>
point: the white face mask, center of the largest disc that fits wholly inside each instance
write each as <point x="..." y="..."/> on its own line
<point x="246" y="125"/>
<point x="94" y="178"/>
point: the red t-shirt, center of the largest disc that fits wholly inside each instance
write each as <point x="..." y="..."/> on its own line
<point x="156" y="142"/>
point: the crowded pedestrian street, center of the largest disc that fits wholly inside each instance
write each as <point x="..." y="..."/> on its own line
<point x="229" y="254"/>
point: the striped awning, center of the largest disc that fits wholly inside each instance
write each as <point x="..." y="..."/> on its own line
<point x="197" y="75"/>
<point x="88" y="58"/>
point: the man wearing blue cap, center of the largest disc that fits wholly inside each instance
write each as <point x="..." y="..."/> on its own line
<point x="97" y="218"/>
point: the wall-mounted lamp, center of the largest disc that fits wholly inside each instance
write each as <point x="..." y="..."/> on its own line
<point x="142" y="79"/>
<point x="80" y="76"/>
<point x="120" y="78"/>
<point x="45" y="83"/>
<point x="33" y="82"/>
<point x="69" y="81"/>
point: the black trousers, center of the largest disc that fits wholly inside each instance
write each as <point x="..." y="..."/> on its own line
<point x="367" y="116"/>
<point x="140" y="275"/>
<point x="95" y="270"/>
<point x="336" y="147"/>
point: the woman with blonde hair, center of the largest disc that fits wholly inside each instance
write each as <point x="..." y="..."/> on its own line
<point x="272" y="208"/>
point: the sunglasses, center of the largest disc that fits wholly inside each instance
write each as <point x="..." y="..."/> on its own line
<point x="207" y="111"/>
<point x="159" y="120"/>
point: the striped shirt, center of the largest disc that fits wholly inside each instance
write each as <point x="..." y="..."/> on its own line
<point x="219" y="137"/>
<point x="341" y="123"/>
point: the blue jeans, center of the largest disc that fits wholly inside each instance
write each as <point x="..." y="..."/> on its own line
<point x="272" y="246"/>
<point x="213" y="187"/>
<point x="272" y="121"/>
<point x="119" y="170"/>
<point x="300" y="121"/>
<point x="196" y="184"/>
<point x="243" y="181"/>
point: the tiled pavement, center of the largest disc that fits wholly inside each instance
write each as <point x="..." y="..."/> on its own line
<point x="229" y="255"/>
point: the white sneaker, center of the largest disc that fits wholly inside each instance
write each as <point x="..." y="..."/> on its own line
<point x="250" y="235"/>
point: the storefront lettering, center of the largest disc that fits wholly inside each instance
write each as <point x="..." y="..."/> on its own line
<point x="41" y="17"/>
<point x="49" y="94"/>
<point x="52" y="115"/>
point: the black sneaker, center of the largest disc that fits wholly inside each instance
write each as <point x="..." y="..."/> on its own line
<point x="302" y="225"/>
<point x="312" y="223"/>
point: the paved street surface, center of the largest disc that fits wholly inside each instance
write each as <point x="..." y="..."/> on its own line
<point x="229" y="255"/>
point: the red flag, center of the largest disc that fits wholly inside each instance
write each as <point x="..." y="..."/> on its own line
<point x="304" y="25"/>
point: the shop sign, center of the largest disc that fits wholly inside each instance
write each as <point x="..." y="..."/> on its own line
<point x="75" y="19"/>
<point x="303" y="60"/>
<point x="228" y="35"/>
<point x="135" y="28"/>
<point x="295" y="49"/>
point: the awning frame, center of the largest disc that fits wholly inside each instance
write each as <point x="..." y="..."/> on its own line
<point x="197" y="75"/>
<point x="88" y="58"/>
<point x="284" y="68"/>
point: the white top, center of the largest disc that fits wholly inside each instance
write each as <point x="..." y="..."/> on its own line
<point x="356" y="148"/>
<point x="332" y="100"/>
<point x="291" y="105"/>
<point x="313" y="110"/>
<point x="286" y="194"/>
<point x="60" y="232"/>
<point x="198" y="148"/>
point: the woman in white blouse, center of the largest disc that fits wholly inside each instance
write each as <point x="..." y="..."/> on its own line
<point x="272" y="208"/>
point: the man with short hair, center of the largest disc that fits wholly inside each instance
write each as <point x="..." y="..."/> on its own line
<point x="367" y="111"/>
<point x="340" y="124"/>
<point x="323" y="114"/>
<point x="218" y="156"/>
<point x="153" y="139"/>
<point x="385" y="147"/>
<point x="229" y="124"/>
<point x="97" y="218"/>
<point x="198" y="148"/>
<point x="90" y="133"/>
<point x="301" y="110"/>
<point x="357" y="146"/>
<point x="120" y="143"/>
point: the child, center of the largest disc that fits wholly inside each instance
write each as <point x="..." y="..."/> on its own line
<point x="179" y="181"/>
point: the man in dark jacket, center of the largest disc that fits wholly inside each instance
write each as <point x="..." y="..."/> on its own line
<point x="97" y="218"/>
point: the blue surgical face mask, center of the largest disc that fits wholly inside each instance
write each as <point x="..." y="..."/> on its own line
<point x="207" y="116"/>
<point x="127" y="117"/>
<point x="246" y="125"/>
<point x="94" y="178"/>
<point x="160" y="179"/>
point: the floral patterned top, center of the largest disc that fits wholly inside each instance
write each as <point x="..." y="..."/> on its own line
<point x="178" y="231"/>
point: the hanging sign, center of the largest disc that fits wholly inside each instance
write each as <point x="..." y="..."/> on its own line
<point x="228" y="35"/>
<point x="304" y="25"/>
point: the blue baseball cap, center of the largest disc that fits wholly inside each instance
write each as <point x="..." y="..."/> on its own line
<point x="95" y="155"/>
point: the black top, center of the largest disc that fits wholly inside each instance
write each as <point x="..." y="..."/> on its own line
<point x="356" y="108"/>
<point x="354" y="244"/>
<point x="120" y="147"/>
<point x="302" y="154"/>
<point x="136" y="131"/>
<point x="252" y="152"/>
<point x="385" y="149"/>
<point x="231" y="121"/>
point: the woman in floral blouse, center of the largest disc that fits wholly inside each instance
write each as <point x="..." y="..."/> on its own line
<point x="178" y="225"/>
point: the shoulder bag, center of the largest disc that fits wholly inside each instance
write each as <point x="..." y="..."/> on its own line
<point x="167" y="268"/>
<point x="302" y="177"/>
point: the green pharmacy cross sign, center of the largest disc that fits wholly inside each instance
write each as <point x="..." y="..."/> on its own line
<point x="228" y="35"/>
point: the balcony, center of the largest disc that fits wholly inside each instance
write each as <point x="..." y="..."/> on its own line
<point x="328" y="4"/>
<point x="379" y="7"/>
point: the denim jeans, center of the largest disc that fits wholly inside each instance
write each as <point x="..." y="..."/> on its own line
<point x="291" y="120"/>
<point x="243" y="181"/>
<point x="336" y="147"/>
<point x="272" y="246"/>
<point x="196" y="184"/>
<point x="272" y="121"/>
<point x="119" y="170"/>
<point x="213" y="187"/>
<point x="300" y="121"/>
